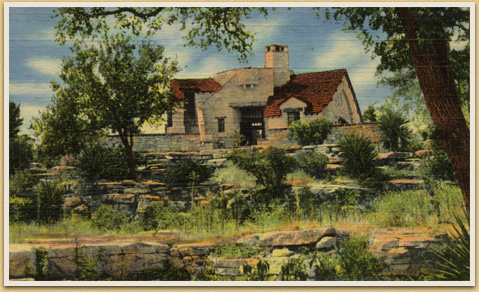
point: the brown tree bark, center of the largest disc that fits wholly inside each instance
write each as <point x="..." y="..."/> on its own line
<point x="129" y="152"/>
<point x="440" y="94"/>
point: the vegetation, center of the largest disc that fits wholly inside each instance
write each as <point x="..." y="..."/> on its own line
<point x="50" y="201"/>
<point x="158" y="215"/>
<point x="438" y="166"/>
<point x="106" y="218"/>
<point x="21" y="146"/>
<point x="313" y="163"/>
<point x="396" y="134"/>
<point x="188" y="171"/>
<point x="359" y="155"/>
<point x="313" y="132"/>
<point x="369" y="114"/>
<point x="414" y="44"/>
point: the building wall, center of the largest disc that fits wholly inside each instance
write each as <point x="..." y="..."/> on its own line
<point x="343" y="105"/>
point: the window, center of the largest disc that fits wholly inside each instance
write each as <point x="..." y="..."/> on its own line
<point x="293" y="116"/>
<point x="221" y="125"/>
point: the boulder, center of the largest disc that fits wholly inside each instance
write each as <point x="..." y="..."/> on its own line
<point x="288" y="238"/>
<point x="423" y="153"/>
<point x="326" y="243"/>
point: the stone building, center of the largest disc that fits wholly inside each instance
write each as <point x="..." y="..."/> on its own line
<point x="260" y="103"/>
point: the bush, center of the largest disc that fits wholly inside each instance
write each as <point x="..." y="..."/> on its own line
<point x="357" y="263"/>
<point x="22" y="209"/>
<point x="310" y="133"/>
<point x="269" y="166"/>
<point x="158" y="215"/>
<point x="188" y="171"/>
<point x="312" y="163"/>
<point x="20" y="152"/>
<point x="294" y="270"/>
<point x="359" y="154"/>
<point x="96" y="163"/>
<point x="50" y="201"/>
<point x="107" y="219"/>
<point x="21" y="181"/>
<point x="438" y="166"/>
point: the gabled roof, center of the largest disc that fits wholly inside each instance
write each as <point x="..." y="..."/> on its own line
<point x="315" y="89"/>
<point x="179" y="86"/>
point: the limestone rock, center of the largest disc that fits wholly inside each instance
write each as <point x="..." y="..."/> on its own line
<point x="288" y="238"/>
<point x="121" y="198"/>
<point x="326" y="243"/>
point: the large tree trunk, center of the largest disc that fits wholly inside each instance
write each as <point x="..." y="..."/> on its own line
<point x="440" y="94"/>
<point x="129" y="152"/>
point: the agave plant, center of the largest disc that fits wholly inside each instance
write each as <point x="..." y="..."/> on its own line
<point x="455" y="258"/>
<point x="50" y="200"/>
<point x="359" y="154"/>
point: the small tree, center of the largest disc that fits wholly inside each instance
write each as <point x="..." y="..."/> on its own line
<point x="119" y="85"/>
<point x="310" y="133"/>
<point x="369" y="114"/>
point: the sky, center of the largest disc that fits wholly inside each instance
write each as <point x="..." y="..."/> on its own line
<point x="314" y="45"/>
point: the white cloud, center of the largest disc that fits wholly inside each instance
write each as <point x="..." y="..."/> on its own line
<point x="45" y="65"/>
<point x="30" y="89"/>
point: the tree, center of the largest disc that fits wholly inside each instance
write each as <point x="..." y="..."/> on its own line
<point x="416" y="39"/>
<point x="118" y="86"/>
<point x="20" y="146"/>
<point x="206" y="26"/>
<point x="369" y="114"/>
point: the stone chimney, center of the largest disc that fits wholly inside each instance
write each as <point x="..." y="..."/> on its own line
<point x="277" y="57"/>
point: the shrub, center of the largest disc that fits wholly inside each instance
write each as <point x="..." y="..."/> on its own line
<point x="158" y="215"/>
<point x="357" y="263"/>
<point x="107" y="219"/>
<point x="22" y="209"/>
<point x="50" y="201"/>
<point x="369" y="114"/>
<point x="188" y="171"/>
<point x="96" y="162"/>
<point x="269" y="166"/>
<point x="20" y="152"/>
<point x="294" y="270"/>
<point x="259" y="273"/>
<point x="438" y="166"/>
<point x="21" y="181"/>
<point x="359" y="154"/>
<point x="313" y="132"/>
<point x="312" y="163"/>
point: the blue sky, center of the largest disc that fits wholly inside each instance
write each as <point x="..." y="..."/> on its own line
<point x="314" y="45"/>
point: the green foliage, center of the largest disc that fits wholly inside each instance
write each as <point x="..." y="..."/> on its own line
<point x="22" y="209"/>
<point x="236" y="251"/>
<point x="258" y="273"/>
<point x="369" y="114"/>
<point x="85" y="266"/>
<point x="313" y="163"/>
<point x="221" y="27"/>
<point x="294" y="270"/>
<point x="455" y="258"/>
<point x="98" y="163"/>
<point x="357" y="263"/>
<point x="324" y="266"/>
<point x="237" y="139"/>
<point x="359" y="154"/>
<point x="396" y="134"/>
<point x="158" y="215"/>
<point x="41" y="264"/>
<point x="20" y="146"/>
<point x="313" y="132"/>
<point x="231" y="174"/>
<point x="438" y="166"/>
<point x="50" y="201"/>
<point x="21" y="181"/>
<point x="269" y="166"/>
<point x="106" y="218"/>
<point x="307" y="202"/>
<point x="182" y="173"/>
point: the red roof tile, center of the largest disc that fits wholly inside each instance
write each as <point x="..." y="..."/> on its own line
<point x="178" y="87"/>
<point x="315" y="89"/>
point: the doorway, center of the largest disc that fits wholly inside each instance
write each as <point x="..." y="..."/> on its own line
<point x="252" y="124"/>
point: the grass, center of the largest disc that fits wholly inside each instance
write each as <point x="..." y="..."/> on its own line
<point x="408" y="208"/>
<point x="232" y="174"/>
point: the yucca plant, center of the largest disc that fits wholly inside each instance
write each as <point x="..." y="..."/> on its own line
<point x="359" y="154"/>
<point x="50" y="201"/>
<point x="455" y="258"/>
<point x="92" y="161"/>
<point x="396" y="134"/>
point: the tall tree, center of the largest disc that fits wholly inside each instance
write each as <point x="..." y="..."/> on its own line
<point x="118" y="85"/>
<point x="417" y="39"/>
<point x="20" y="146"/>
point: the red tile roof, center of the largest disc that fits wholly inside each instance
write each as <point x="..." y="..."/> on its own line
<point x="178" y="87"/>
<point x="315" y="89"/>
